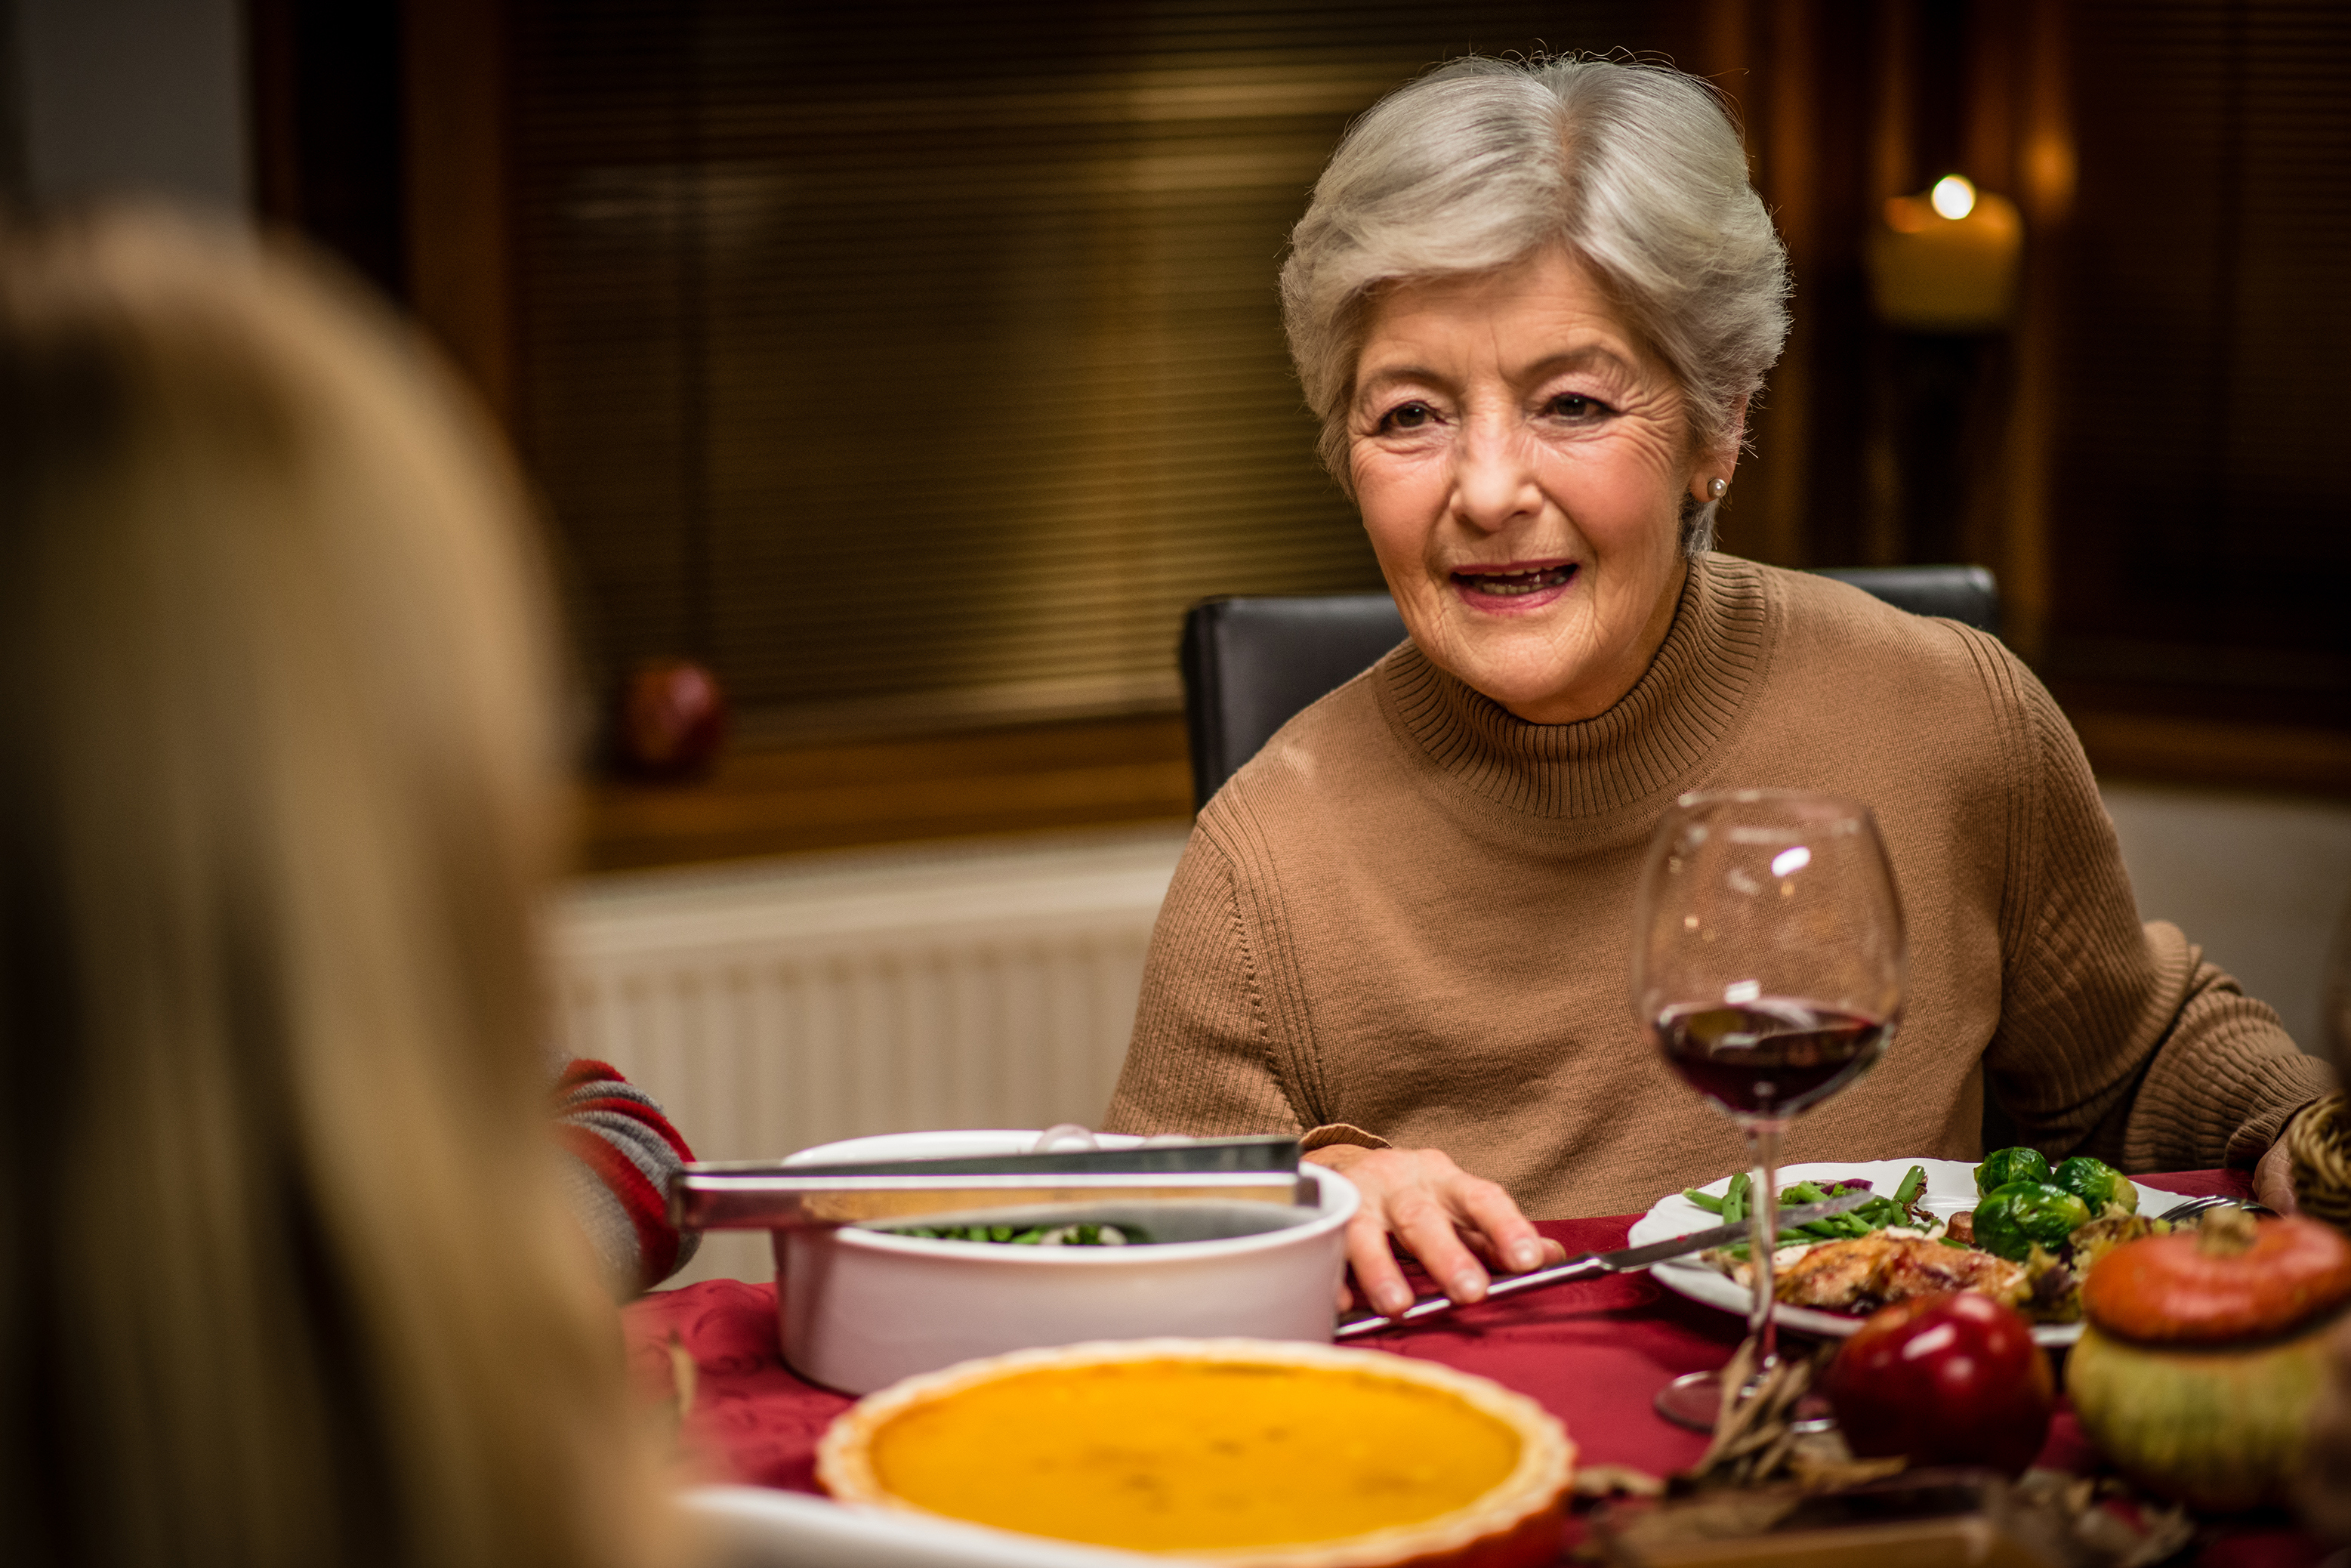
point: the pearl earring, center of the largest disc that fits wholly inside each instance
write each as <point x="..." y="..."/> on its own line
<point x="1717" y="488"/>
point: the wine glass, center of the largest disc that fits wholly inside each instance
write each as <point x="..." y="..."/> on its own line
<point x="1769" y="966"/>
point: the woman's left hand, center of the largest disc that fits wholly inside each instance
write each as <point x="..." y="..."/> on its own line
<point x="2273" y="1178"/>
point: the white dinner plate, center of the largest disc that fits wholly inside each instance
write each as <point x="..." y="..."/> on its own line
<point x="1951" y="1187"/>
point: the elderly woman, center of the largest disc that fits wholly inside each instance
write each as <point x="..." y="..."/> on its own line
<point x="1530" y="304"/>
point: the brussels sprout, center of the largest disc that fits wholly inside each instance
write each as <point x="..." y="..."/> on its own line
<point x="2096" y="1184"/>
<point x="2002" y="1166"/>
<point x="2023" y="1213"/>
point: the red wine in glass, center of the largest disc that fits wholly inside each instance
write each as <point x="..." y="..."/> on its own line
<point x="1769" y="965"/>
<point x="1769" y="1057"/>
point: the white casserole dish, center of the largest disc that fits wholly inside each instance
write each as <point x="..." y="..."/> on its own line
<point x="862" y="1308"/>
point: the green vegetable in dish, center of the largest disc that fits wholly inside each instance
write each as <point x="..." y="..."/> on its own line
<point x="2002" y="1166"/>
<point x="2025" y="1214"/>
<point x="1084" y="1234"/>
<point x="1877" y="1214"/>
<point x="2098" y="1184"/>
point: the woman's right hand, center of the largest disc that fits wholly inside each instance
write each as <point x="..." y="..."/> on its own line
<point x="1446" y="1217"/>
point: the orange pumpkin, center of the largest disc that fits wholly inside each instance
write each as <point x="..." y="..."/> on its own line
<point x="2217" y="1285"/>
<point x="2196" y="1370"/>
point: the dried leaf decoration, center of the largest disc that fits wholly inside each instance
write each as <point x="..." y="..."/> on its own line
<point x="681" y="1374"/>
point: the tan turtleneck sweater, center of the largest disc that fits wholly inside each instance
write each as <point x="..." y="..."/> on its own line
<point x="1411" y="915"/>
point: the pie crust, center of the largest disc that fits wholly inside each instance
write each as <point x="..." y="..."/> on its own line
<point x="1515" y="1519"/>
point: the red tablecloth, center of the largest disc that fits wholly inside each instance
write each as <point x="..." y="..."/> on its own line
<point x="1594" y="1354"/>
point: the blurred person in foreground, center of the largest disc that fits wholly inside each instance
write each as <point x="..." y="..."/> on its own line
<point x="1532" y="304"/>
<point x="288" y="1275"/>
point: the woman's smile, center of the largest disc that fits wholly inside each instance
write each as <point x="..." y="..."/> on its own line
<point x="1515" y="588"/>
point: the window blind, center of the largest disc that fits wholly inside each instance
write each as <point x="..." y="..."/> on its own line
<point x="2200" y="539"/>
<point x="919" y="364"/>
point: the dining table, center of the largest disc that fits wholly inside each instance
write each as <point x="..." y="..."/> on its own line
<point x="1593" y="1353"/>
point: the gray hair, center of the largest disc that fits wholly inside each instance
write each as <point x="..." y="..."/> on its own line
<point x="1637" y="169"/>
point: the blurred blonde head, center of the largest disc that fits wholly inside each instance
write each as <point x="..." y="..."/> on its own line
<point x="286" y="1278"/>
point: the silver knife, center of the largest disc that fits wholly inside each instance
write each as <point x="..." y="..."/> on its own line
<point x="1593" y="1264"/>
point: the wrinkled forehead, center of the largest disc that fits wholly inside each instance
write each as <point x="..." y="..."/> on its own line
<point x="1547" y="310"/>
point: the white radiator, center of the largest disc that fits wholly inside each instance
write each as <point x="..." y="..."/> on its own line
<point x="779" y="1004"/>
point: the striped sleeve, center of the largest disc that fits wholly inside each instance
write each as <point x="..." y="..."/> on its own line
<point x="622" y="1155"/>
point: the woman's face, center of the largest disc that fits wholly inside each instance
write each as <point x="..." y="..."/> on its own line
<point x="1520" y="459"/>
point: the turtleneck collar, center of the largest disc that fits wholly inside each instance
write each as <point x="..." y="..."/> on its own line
<point x="1648" y="744"/>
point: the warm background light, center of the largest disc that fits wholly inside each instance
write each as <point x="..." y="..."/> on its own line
<point x="1947" y="261"/>
<point x="1953" y="196"/>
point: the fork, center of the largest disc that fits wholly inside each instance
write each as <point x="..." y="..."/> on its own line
<point x="2193" y="1206"/>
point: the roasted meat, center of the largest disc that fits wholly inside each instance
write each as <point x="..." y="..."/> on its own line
<point x="1866" y="1272"/>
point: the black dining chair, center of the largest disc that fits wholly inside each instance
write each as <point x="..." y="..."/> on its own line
<point x="1250" y="664"/>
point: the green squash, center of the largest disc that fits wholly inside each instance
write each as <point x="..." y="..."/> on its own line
<point x="2217" y="1427"/>
<point x="2203" y="1352"/>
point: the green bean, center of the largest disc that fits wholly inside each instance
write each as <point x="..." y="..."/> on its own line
<point x="1873" y="1214"/>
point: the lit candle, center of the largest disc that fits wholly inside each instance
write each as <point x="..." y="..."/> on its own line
<point x="1947" y="261"/>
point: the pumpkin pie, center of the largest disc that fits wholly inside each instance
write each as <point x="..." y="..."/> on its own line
<point x="1242" y="1452"/>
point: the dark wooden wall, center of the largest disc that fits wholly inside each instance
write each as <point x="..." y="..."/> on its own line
<point x="2144" y="456"/>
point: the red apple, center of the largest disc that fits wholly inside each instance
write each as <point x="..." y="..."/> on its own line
<point x="1949" y="1379"/>
<point x="671" y="721"/>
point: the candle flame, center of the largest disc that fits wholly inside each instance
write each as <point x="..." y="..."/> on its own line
<point x="1953" y="196"/>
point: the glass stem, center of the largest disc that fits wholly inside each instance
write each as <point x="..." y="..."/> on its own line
<point x="1763" y="1154"/>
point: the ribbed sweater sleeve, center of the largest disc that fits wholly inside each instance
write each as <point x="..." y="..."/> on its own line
<point x="2234" y="1084"/>
<point x="2116" y="1039"/>
<point x="1201" y="1060"/>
